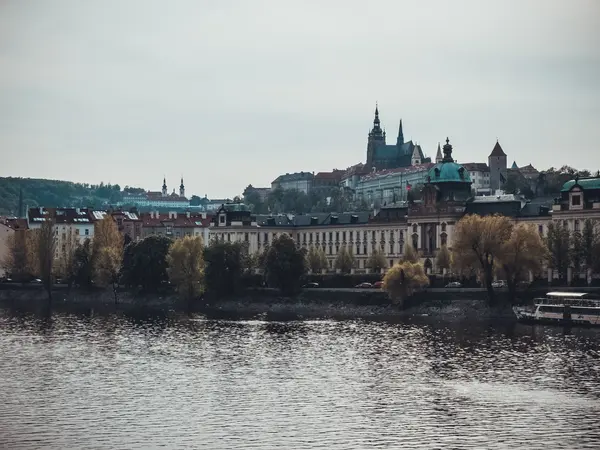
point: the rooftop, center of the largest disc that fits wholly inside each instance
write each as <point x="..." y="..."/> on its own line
<point x="584" y="183"/>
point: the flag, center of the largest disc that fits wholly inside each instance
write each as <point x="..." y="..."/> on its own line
<point x="408" y="187"/>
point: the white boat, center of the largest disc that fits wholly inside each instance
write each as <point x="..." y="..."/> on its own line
<point x="562" y="308"/>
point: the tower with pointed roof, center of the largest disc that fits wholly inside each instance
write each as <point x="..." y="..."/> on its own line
<point x="498" y="165"/>
<point x="438" y="155"/>
<point x="381" y="155"/>
<point x="181" y="188"/>
<point x="164" y="187"/>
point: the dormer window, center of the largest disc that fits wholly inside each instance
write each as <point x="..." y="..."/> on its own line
<point x="576" y="200"/>
<point x="221" y="219"/>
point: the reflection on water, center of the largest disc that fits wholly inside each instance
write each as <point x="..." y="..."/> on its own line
<point x="149" y="379"/>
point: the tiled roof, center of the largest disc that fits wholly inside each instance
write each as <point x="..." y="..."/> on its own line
<point x="62" y="215"/>
<point x="15" y="223"/>
<point x="293" y="177"/>
<point x="497" y="151"/>
<point x="333" y="175"/>
<point x="476" y="167"/>
<point x="179" y="220"/>
<point x="404" y="170"/>
<point x="313" y="219"/>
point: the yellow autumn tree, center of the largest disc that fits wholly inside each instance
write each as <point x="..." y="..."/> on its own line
<point x="410" y="254"/>
<point x="479" y="242"/>
<point x="186" y="266"/>
<point x="42" y="243"/>
<point x="107" y="254"/>
<point x="65" y="266"/>
<point x="524" y="251"/>
<point x="403" y="279"/>
<point x="443" y="259"/>
<point x="19" y="261"/>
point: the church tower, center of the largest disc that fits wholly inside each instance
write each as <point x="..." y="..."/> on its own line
<point x="400" y="139"/>
<point x="376" y="138"/>
<point x="497" y="163"/>
<point x="438" y="155"/>
<point x="164" y="187"/>
<point x="181" y="188"/>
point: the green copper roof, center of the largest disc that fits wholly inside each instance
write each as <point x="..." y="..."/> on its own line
<point x="585" y="183"/>
<point x="449" y="172"/>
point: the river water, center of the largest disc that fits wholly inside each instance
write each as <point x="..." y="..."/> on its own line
<point x="155" y="380"/>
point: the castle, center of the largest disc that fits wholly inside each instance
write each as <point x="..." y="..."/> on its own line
<point x="381" y="155"/>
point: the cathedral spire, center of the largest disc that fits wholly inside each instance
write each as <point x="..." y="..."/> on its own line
<point x="400" y="139"/>
<point x="164" y="187"/>
<point x="377" y="133"/>
<point x="438" y="155"/>
<point x="181" y="188"/>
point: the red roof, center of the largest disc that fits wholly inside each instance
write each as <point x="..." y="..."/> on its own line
<point x="15" y="223"/>
<point x="62" y="215"/>
<point x="179" y="220"/>
<point x="333" y="175"/>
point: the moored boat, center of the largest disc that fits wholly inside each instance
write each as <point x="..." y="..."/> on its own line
<point x="562" y="308"/>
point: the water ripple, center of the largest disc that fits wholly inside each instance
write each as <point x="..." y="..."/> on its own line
<point x="115" y="381"/>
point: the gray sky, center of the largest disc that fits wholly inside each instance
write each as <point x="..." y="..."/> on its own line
<point x="232" y="92"/>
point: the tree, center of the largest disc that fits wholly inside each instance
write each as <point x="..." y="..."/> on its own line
<point x="83" y="264"/>
<point x="376" y="261"/>
<point x="591" y="245"/>
<point x="402" y="279"/>
<point x="145" y="263"/>
<point x="523" y="252"/>
<point x="557" y="241"/>
<point x="44" y="240"/>
<point x="443" y="259"/>
<point x="107" y="254"/>
<point x="410" y="254"/>
<point x="66" y="267"/>
<point x="316" y="259"/>
<point x="576" y="251"/>
<point x="186" y="266"/>
<point x="224" y="266"/>
<point x="284" y="264"/>
<point x="480" y="240"/>
<point x="18" y="261"/>
<point x="344" y="261"/>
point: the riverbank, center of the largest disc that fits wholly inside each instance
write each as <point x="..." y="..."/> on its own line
<point x="265" y="302"/>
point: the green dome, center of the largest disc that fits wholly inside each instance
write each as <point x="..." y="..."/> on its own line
<point x="448" y="171"/>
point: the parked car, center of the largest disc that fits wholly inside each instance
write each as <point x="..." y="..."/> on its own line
<point x="311" y="285"/>
<point x="364" y="286"/>
<point x="499" y="284"/>
<point x="378" y="284"/>
<point x="454" y="284"/>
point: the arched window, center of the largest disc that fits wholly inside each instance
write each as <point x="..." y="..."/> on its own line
<point x="443" y="226"/>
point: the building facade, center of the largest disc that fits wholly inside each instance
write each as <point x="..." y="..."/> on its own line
<point x="390" y="185"/>
<point x="175" y="225"/>
<point x="158" y="199"/>
<point x="480" y="176"/>
<point x="497" y="164"/>
<point x="300" y="181"/>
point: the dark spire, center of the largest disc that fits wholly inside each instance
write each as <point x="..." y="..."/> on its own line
<point x="164" y="183"/>
<point x="20" y="212"/>
<point x="448" y="152"/>
<point x="438" y="155"/>
<point x="181" y="185"/>
<point x="377" y="133"/>
<point x="400" y="139"/>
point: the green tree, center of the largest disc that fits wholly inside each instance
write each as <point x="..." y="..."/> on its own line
<point x="107" y="254"/>
<point x="224" y="266"/>
<point x="410" y="254"/>
<point x="316" y="259"/>
<point x="557" y="241"/>
<point x="480" y="241"/>
<point x="403" y="279"/>
<point x="576" y="252"/>
<point x="186" y="266"/>
<point x="344" y="261"/>
<point x="591" y="245"/>
<point x="284" y="265"/>
<point x="376" y="261"/>
<point x="145" y="263"/>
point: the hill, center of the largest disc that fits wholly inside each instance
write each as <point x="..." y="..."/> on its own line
<point x="54" y="193"/>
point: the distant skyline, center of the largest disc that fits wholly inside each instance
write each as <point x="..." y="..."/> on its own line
<point x="232" y="92"/>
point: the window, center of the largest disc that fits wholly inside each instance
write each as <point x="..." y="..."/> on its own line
<point x="576" y="200"/>
<point x="344" y="236"/>
<point x="87" y="231"/>
<point x="444" y="239"/>
<point x="391" y="248"/>
<point x="364" y="249"/>
<point x="415" y="228"/>
<point x="383" y="236"/>
<point x="266" y="238"/>
<point x="246" y="237"/>
<point x="358" y="249"/>
<point x="221" y="219"/>
<point x="337" y="236"/>
<point x="330" y="236"/>
<point x="169" y="229"/>
<point x="443" y="227"/>
<point x="576" y="225"/>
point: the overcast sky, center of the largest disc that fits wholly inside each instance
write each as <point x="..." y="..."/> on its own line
<point x="235" y="92"/>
